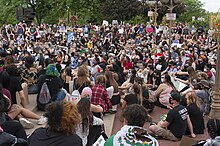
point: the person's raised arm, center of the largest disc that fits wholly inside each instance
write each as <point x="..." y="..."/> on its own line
<point x="185" y="82"/>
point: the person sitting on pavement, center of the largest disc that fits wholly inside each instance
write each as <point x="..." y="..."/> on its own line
<point x="213" y="126"/>
<point x="7" y="124"/>
<point x="87" y="120"/>
<point x="195" y="114"/>
<point x="133" y="133"/>
<point x="163" y="92"/>
<point x="204" y="94"/>
<point x="16" y="111"/>
<point x="53" y="81"/>
<point x="63" y="118"/>
<point x="100" y="94"/>
<point x="170" y="128"/>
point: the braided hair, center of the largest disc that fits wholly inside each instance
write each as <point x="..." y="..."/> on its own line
<point x="213" y="126"/>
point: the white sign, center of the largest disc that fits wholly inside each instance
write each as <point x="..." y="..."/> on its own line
<point x="193" y="18"/>
<point x="105" y="23"/>
<point x="115" y="22"/>
<point x="150" y="13"/>
<point x="171" y="16"/>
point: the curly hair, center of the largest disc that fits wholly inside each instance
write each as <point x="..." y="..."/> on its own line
<point x="213" y="126"/>
<point x="136" y="115"/>
<point x="62" y="117"/>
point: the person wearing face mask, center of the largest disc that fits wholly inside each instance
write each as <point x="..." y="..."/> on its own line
<point x="208" y="70"/>
<point x="163" y="92"/>
<point x="200" y="64"/>
<point x="170" y="128"/>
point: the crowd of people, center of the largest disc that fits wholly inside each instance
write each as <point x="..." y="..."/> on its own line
<point x="81" y="73"/>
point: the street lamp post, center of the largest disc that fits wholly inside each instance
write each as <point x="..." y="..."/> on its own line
<point x="171" y="4"/>
<point x="215" y="106"/>
<point x="154" y="5"/>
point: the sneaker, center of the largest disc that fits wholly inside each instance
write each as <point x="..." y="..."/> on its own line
<point x="26" y="124"/>
<point x="42" y="120"/>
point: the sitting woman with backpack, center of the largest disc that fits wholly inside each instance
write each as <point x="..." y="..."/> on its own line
<point x="49" y="85"/>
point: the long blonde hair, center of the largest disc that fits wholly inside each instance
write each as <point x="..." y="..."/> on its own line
<point x="82" y="76"/>
<point x="110" y="78"/>
<point x="138" y="92"/>
<point x="193" y="98"/>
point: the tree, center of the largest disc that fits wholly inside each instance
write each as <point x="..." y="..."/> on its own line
<point x="193" y="8"/>
<point x="121" y="9"/>
<point x="8" y="11"/>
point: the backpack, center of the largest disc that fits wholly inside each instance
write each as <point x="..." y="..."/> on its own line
<point x="75" y="95"/>
<point x="44" y="97"/>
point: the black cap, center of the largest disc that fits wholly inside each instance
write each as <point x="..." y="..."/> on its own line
<point x="176" y="96"/>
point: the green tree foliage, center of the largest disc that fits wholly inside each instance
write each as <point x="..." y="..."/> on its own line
<point x="8" y="11"/>
<point x="94" y="11"/>
<point x="121" y="9"/>
<point x="193" y="8"/>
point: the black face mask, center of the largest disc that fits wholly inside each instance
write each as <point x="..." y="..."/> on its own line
<point x="170" y="100"/>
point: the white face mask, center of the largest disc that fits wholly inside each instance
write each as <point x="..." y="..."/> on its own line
<point x="162" y="79"/>
<point x="158" y="51"/>
<point x="205" y="70"/>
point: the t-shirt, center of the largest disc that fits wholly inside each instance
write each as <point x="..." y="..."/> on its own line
<point x="196" y="118"/>
<point x="131" y="99"/>
<point x="177" y="118"/>
<point x="45" y="137"/>
<point x="14" y="86"/>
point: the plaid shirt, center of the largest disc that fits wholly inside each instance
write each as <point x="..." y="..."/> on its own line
<point x="100" y="97"/>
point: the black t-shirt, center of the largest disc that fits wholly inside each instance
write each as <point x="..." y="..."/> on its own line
<point x="150" y="78"/>
<point x="80" y="87"/>
<point x="131" y="99"/>
<point x="200" y="66"/>
<point x="14" y="86"/>
<point x="177" y="118"/>
<point x="196" y="118"/>
<point x="45" y="137"/>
